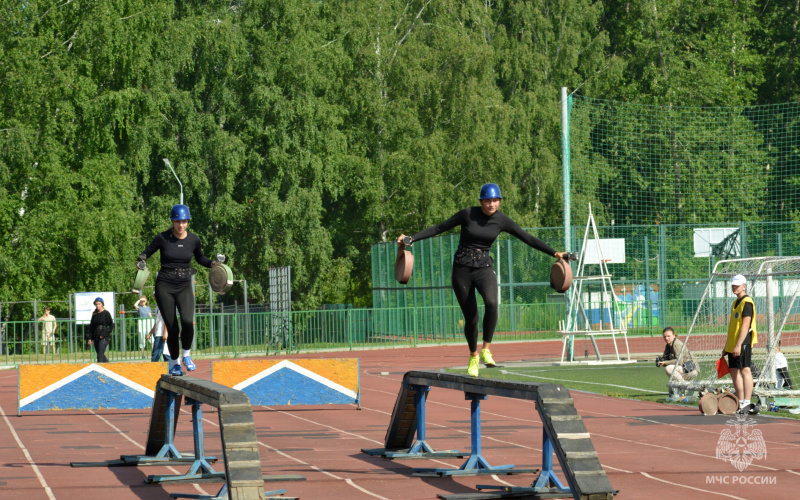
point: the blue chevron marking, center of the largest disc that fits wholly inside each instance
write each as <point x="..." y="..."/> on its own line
<point x="287" y="387"/>
<point x="92" y="391"/>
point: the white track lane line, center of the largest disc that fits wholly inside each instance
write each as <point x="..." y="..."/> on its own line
<point x="36" y="470"/>
<point x="776" y="419"/>
<point x="125" y="435"/>
<point x="358" y="435"/>
<point x="363" y="490"/>
<point x="640" y="443"/>
<point x="579" y="382"/>
<point x="690" y="487"/>
<point x="494" y="476"/>
<point x="311" y="466"/>
<point x="676" y="426"/>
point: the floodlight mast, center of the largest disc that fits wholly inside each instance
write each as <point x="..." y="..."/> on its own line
<point x="176" y="177"/>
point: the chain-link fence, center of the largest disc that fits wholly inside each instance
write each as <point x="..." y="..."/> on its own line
<point x="662" y="277"/>
<point x="681" y="187"/>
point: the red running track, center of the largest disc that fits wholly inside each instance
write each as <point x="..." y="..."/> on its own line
<point x="647" y="449"/>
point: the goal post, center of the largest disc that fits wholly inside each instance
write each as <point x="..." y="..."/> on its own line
<point x="773" y="283"/>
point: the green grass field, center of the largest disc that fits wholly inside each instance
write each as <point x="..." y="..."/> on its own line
<point x="642" y="381"/>
<point x="637" y="381"/>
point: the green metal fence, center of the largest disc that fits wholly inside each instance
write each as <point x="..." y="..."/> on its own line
<point x="262" y="333"/>
<point x="661" y="267"/>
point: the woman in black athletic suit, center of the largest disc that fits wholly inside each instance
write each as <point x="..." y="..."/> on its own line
<point x="473" y="265"/>
<point x="174" y="284"/>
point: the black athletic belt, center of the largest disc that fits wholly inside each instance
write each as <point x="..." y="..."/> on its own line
<point x="473" y="257"/>
<point x="180" y="272"/>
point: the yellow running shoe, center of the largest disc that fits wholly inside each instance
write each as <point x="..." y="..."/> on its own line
<point x="488" y="360"/>
<point x="472" y="369"/>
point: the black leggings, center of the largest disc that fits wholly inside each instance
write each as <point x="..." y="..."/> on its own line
<point x="100" y="346"/>
<point x="465" y="281"/>
<point x="168" y="296"/>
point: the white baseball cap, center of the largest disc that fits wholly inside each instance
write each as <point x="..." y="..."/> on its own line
<point x="738" y="280"/>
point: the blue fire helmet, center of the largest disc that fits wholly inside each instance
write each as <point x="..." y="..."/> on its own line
<point x="99" y="299"/>
<point x="180" y="212"/>
<point x="490" y="190"/>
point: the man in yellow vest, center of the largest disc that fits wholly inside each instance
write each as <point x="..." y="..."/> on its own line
<point x="742" y="336"/>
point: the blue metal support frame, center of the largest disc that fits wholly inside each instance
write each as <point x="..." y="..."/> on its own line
<point x="200" y="468"/>
<point x="169" y="450"/>
<point x="168" y="453"/>
<point x="223" y="495"/>
<point x="475" y="464"/>
<point x="421" y="448"/>
<point x="547" y="482"/>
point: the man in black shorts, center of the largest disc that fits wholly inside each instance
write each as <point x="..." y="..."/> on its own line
<point x="742" y="335"/>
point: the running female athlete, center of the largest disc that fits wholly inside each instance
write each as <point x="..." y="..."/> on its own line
<point x="174" y="284"/>
<point x="473" y="265"/>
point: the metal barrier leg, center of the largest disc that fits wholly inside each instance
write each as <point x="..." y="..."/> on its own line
<point x="421" y="448"/>
<point x="169" y="450"/>
<point x="168" y="453"/>
<point x="200" y="468"/>
<point x="475" y="464"/>
<point x="548" y="482"/>
<point x="223" y="495"/>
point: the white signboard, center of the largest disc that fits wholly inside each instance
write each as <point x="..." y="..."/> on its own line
<point x="613" y="250"/>
<point x="706" y="237"/>
<point x="84" y="305"/>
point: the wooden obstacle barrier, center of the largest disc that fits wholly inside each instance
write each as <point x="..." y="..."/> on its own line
<point x="564" y="435"/>
<point x="242" y="461"/>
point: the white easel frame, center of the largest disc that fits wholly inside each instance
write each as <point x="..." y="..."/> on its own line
<point x="609" y="303"/>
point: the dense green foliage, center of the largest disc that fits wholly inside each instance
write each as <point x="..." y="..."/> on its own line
<point x="305" y="131"/>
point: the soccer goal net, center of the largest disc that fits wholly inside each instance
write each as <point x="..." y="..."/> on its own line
<point x="773" y="283"/>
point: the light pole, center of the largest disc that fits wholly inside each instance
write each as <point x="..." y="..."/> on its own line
<point x="176" y="177"/>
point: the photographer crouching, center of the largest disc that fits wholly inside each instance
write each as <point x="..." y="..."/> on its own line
<point x="685" y="367"/>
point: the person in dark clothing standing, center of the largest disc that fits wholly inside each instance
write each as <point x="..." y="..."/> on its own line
<point x="174" y="284"/>
<point x="100" y="328"/>
<point x="473" y="265"/>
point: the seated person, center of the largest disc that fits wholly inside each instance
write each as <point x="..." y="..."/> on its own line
<point x="782" y="369"/>
<point x="670" y="360"/>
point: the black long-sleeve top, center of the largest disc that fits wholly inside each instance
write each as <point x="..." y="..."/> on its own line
<point x="479" y="231"/>
<point x="100" y="319"/>
<point x="177" y="254"/>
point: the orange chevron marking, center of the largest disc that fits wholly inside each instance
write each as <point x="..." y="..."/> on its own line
<point x="33" y="378"/>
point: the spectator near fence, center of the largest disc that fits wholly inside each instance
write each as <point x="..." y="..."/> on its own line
<point x="782" y="369"/>
<point x="49" y="327"/>
<point x="145" y="322"/>
<point x="100" y="328"/>
<point x="159" y="335"/>
<point x="676" y="359"/>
